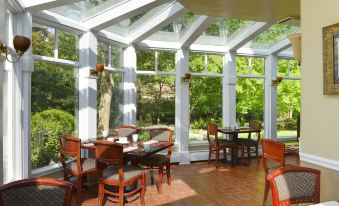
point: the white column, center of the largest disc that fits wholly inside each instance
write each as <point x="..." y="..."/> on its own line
<point x="130" y="65"/>
<point x="182" y="120"/>
<point x="87" y="114"/>
<point x="229" y="81"/>
<point x="2" y="65"/>
<point x="270" y="97"/>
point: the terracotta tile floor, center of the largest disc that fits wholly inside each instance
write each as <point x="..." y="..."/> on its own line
<point x="201" y="184"/>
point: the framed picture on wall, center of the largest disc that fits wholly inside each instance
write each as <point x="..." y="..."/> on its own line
<point x="331" y="59"/>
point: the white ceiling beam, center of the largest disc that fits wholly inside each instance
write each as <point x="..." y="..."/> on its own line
<point x="252" y="52"/>
<point x="55" y="20"/>
<point x="280" y="46"/>
<point x="203" y="48"/>
<point x="199" y="26"/>
<point x="157" y="22"/>
<point x="39" y="5"/>
<point x="286" y="55"/>
<point x="247" y="35"/>
<point x="160" y="45"/>
<point x="121" y="12"/>
<point x="122" y="41"/>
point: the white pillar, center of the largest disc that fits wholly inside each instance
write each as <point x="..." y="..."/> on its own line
<point x="182" y="120"/>
<point x="2" y="65"/>
<point x="87" y="115"/>
<point x="130" y="65"/>
<point x="229" y="81"/>
<point x="270" y="97"/>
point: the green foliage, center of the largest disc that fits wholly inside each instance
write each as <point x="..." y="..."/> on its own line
<point x="287" y="124"/>
<point x="47" y="126"/>
<point x="231" y="25"/>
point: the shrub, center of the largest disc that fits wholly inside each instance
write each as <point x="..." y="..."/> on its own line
<point x="287" y="124"/>
<point x="47" y="126"/>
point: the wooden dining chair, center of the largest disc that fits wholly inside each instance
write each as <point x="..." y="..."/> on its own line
<point x="159" y="161"/>
<point x="294" y="185"/>
<point x="273" y="157"/>
<point x="79" y="167"/>
<point x="215" y="144"/>
<point x="127" y="130"/>
<point x="117" y="174"/>
<point x="36" y="192"/>
<point x="249" y="143"/>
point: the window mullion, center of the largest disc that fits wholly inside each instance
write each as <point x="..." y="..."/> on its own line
<point x="56" y="44"/>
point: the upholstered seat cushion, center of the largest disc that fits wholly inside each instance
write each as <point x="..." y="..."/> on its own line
<point x="155" y="159"/>
<point x="87" y="164"/>
<point x="112" y="172"/>
<point x="226" y="142"/>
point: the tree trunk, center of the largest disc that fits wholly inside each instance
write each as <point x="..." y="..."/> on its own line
<point x="104" y="110"/>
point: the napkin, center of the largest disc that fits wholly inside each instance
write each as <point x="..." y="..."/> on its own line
<point x="151" y="142"/>
<point x="128" y="149"/>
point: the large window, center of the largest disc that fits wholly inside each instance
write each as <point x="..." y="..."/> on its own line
<point x="205" y="93"/>
<point x="288" y="99"/>
<point x="54" y="100"/>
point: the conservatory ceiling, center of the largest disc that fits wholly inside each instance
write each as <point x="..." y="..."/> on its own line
<point x="232" y="24"/>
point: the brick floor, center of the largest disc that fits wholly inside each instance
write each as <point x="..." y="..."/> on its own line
<point x="201" y="184"/>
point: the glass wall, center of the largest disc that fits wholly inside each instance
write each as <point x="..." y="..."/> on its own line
<point x="288" y="98"/>
<point x="205" y="93"/>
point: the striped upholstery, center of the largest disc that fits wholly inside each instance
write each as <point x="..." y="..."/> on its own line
<point x="160" y="135"/>
<point x="36" y="195"/>
<point x="126" y="132"/>
<point x="87" y="164"/>
<point x="296" y="185"/>
<point x="112" y="172"/>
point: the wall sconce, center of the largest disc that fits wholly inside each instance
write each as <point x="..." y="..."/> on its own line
<point x="21" y="45"/>
<point x="276" y="81"/>
<point x="186" y="77"/>
<point x="99" y="68"/>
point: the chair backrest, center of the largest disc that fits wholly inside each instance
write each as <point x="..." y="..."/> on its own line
<point x="212" y="134"/>
<point x="292" y="185"/>
<point x="110" y="153"/>
<point x="70" y="147"/>
<point x="256" y="125"/>
<point x="35" y="192"/>
<point x="162" y="134"/>
<point x="272" y="151"/>
<point x="127" y="130"/>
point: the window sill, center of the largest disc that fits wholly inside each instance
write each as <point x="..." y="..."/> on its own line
<point x="43" y="171"/>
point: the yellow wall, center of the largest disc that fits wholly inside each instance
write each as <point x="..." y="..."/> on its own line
<point x="320" y="113"/>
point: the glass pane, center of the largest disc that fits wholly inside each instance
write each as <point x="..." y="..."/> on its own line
<point x="102" y="57"/>
<point x="205" y="105"/>
<point x="127" y="26"/>
<point x="110" y="101"/>
<point x="84" y="9"/>
<point x="288" y="107"/>
<point x="273" y="35"/>
<point x="116" y="54"/>
<point x="250" y="101"/>
<point x="250" y="65"/>
<point x="54" y="103"/>
<point x="43" y="40"/>
<point x="287" y="67"/>
<point x="166" y="61"/>
<point x="196" y="62"/>
<point x="68" y="46"/>
<point x="155" y="102"/>
<point x="214" y="63"/>
<point x="146" y="60"/>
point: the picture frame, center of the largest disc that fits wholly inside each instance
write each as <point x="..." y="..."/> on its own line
<point x="331" y="59"/>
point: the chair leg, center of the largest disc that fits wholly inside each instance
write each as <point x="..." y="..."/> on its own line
<point x="267" y="188"/>
<point x="233" y="156"/>
<point x="161" y="174"/>
<point x="101" y="194"/>
<point x="143" y="189"/>
<point x="209" y="155"/>
<point x="216" y="157"/>
<point x="168" y="173"/>
<point x="79" y="188"/>
<point x="121" y="194"/>
<point x="224" y="150"/>
<point x="257" y="154"/>
<point x="151" y="172"/>
<point x="242" y="154"/>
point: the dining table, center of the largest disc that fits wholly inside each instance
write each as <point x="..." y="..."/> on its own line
<point x="234" y="133"/>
